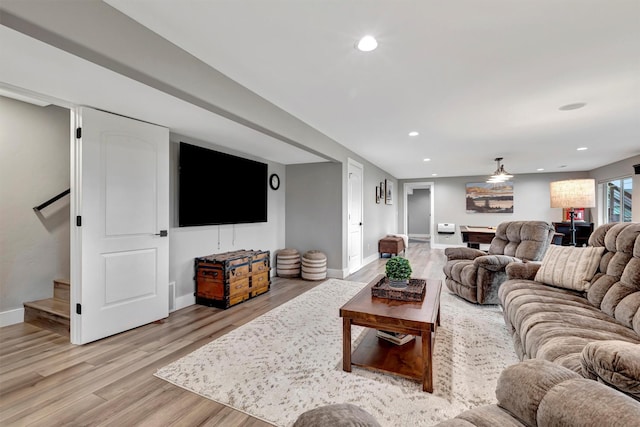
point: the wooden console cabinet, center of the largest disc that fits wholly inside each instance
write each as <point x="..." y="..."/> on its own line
<point x="226" y="279"/>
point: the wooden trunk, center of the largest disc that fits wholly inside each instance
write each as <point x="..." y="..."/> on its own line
<point x="226" y="279"/>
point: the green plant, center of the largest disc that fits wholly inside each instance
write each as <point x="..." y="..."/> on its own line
<point x="398" y="268"/>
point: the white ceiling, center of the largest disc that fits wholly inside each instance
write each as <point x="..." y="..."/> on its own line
<point x="477" y="79"/>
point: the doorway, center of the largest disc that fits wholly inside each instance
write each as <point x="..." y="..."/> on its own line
<point x="419" y="201"/>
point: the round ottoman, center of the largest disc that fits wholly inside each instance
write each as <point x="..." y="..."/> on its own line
<point x="288" y="263"/>
<point x="314" y="265"/>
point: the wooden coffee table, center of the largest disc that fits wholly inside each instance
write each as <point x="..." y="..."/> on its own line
<point x="410" y="360"/>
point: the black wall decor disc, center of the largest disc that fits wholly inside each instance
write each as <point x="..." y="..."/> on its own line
<point x="274" y="181"/>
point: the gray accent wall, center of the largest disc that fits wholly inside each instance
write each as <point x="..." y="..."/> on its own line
<point x="380" y="219"/>
<point x="34" y="167"/>
<point x="314" y="210"/>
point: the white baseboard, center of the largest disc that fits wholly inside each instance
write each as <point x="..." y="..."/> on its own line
<point x="345" y="271"/>
<point x="370" y="259"/>
<point x="185" y="301"/>
<point x="11" y="317"/>
<point x="337" y="273"/>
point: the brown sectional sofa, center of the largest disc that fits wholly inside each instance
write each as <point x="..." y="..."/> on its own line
<point x="556" y="324"/>
<point x="580" y="349"/>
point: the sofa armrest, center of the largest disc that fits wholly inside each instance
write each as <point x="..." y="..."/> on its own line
<point x="463" y="253"/>
<point x="522" y="270"/>
<point x="615" y="363"/>
<point x="539" y="392"/>
<point x="521" y="387"/>
<point x="494" y="262"/>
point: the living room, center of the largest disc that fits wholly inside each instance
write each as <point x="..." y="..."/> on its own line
<point x="308" y="210"/>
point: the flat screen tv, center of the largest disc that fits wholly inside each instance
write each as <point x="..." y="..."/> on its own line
<point x="218" y="188"/>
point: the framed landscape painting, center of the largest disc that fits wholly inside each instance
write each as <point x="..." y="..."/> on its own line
<point x="483" y="197"/>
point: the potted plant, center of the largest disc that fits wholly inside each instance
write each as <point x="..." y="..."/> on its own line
<point x="398" y="271"/>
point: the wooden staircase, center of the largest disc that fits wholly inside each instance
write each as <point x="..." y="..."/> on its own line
<point x="51" y="313"/>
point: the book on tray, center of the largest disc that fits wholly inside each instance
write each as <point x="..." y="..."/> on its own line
<point x="395" y="337"/>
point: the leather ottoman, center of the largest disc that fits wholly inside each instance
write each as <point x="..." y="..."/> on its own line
<point x="390" y="245"/>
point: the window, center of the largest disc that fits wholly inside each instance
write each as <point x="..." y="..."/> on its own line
<point x="618" y="200"/>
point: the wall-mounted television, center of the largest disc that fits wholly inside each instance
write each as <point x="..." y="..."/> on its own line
<point x="218" y="188"/>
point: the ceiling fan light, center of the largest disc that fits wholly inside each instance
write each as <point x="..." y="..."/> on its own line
<point x="500" y="174"/>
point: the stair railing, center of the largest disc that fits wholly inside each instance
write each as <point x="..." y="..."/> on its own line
<point x="51" y="200"/>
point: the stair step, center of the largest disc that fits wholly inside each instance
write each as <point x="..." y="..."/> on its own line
<point x="62" y="290"/>
<point x="51" y="313"/>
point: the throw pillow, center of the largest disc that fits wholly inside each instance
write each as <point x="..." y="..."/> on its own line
<point x="569" y="267"/>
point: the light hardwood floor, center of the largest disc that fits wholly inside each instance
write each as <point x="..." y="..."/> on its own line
<point x="46" y="381"/>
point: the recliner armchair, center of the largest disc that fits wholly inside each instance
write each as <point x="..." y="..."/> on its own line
<point x="476" y="275"/>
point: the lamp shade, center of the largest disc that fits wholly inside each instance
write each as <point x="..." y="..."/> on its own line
<point x="573" y="193"/>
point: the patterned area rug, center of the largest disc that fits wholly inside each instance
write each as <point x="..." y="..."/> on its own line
<point x="289" y="360"/>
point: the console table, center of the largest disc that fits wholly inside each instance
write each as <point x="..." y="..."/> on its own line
<point x="474" y="236"/>
<point x="583" y="231"/>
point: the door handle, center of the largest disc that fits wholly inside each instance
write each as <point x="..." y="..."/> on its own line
<point x="162" y="233"/>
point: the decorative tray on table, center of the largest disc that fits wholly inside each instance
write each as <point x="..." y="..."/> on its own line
<point x="413" y="292"/>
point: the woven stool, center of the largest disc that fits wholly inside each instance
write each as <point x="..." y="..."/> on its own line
<point x="288" y="263"/>
<point x="314" y="265"/>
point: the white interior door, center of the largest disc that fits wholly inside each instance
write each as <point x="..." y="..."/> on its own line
<point x="355" y="185"/>
<point x="120" y="219"/>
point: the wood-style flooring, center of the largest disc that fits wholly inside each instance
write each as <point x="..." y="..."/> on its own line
<point x="46" y="381"/>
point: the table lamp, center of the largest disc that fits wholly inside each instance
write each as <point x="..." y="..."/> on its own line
<point x="573" y="193"/>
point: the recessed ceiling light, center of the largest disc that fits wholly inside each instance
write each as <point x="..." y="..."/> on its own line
<point x="367" y="44"/>
<point x="540" y="169"/>
<point x="414" y="133"/>
<point x="582" y="148"/>
<point x="426" y="159"/>
<point x="434" y="174"/>
<point x="574" y="106"/>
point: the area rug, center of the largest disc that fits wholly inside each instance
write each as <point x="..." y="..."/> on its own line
<point x="289" y="360"/>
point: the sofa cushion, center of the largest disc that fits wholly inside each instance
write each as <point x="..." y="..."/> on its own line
<point x="615" y="363"/>
<point x="555" y="324"/>
<point x="569" y="267"/>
